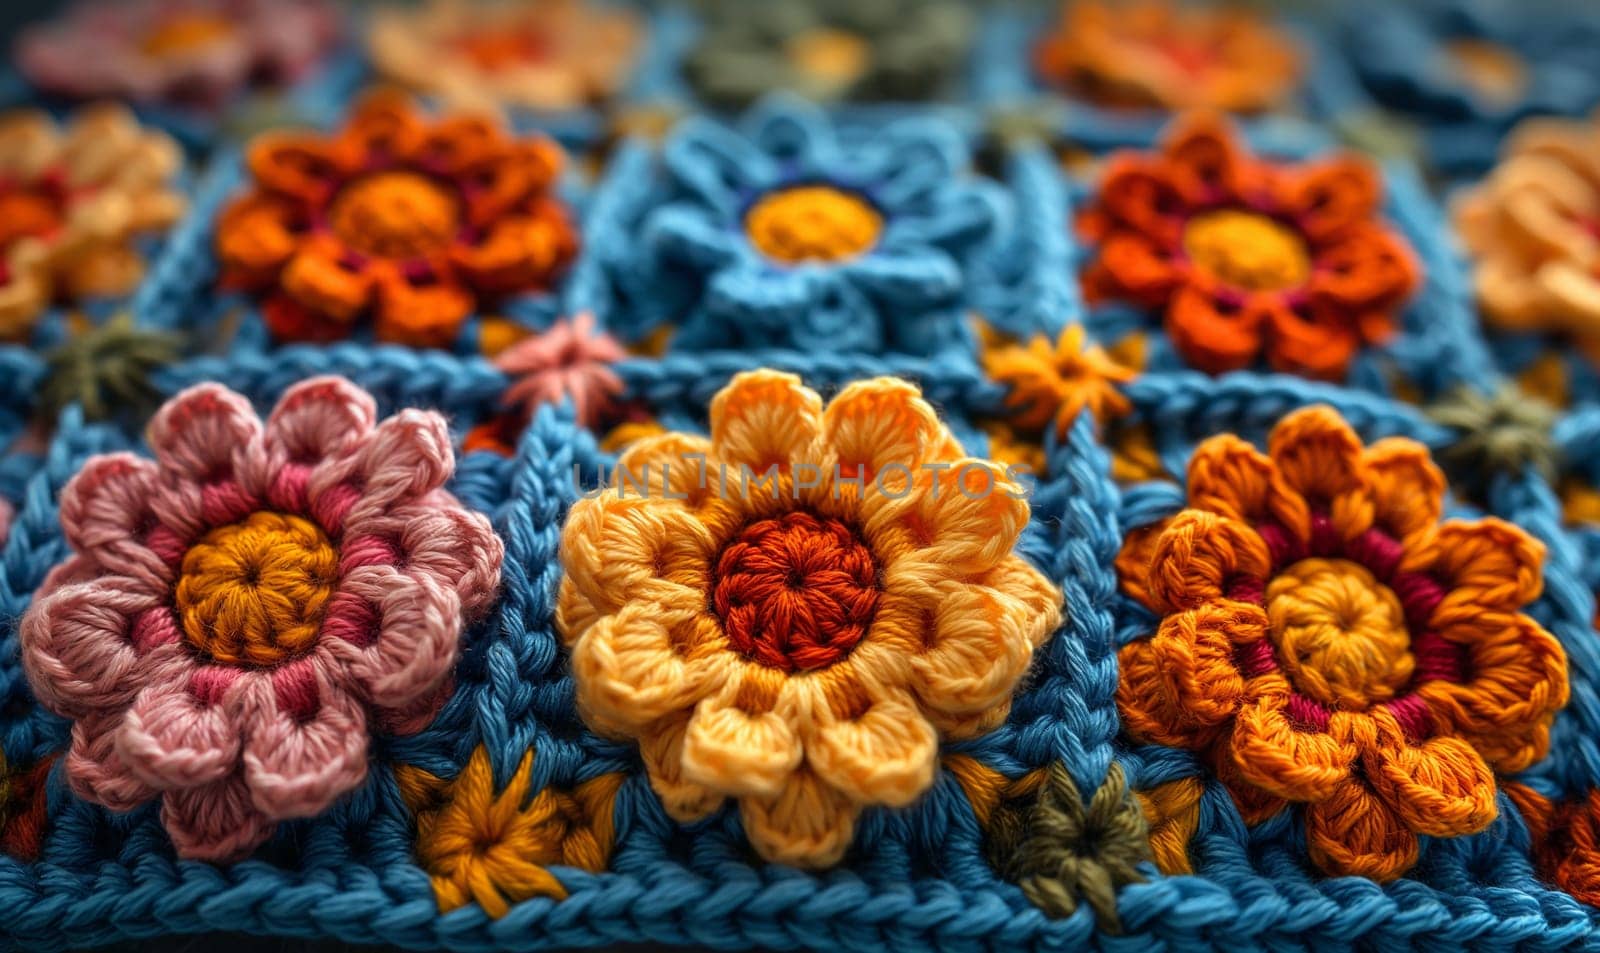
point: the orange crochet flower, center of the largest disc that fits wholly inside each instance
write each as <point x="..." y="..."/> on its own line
<point x="1248" y="259"/>
<point x="1326" y="640"/>
<point x="1158" y="54"/>
<point x="800" y="645"/>
<point x="1052" y="384"/>
<point x="1533" y="229"/>
<point x="416" y="223"/>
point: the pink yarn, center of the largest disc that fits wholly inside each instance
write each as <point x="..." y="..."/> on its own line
<point x="232" y="748"/>
<point x="571" y="360"/>
<point x="98" y="50"/>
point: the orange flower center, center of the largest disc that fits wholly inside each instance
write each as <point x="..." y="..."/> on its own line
<point x="813" y="223"/>
<point x="502" y="49"/>
<point x="184" y="33"/>
<point x="1491" y="71"/>
<point x="1247" y="250"/>
<point x="796" y="591"/>
<point x="254" y="592"/>
<point x="1340" y="633"/>
<point x="396" y="214"/>
<point x="836" y="58"/>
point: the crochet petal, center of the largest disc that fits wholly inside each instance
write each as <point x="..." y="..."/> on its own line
<point x="421" y="315"/>
<point x="1282" y="759"/>
<point x="105" y="515"/>
<point x="198" y="433"/>
<point x="86" y="645"/>
<point x="96" y="772"/>
<point x="216" y="823"/>
<point x="256" y="238"/>
<point x="1353" y="832"/>
<point x="407" y="457"/>
<point x="765" y="417"/>
<point x="1367" y="269"/>
<point x="908" y="277"/>
<point x="520" y="253"/>
<point x="1210" y="336"/>
<point x="307" y="742"/>
<point x="1488" y="569"/>
<point x="1332" y="196"/>
<point x="314" y="421"/>
<point x="620" y="550"/>
<point x="661" y="749"/>
<point x="631" y="671"/>
<point x="872" y="424"/>
<point x="1201" y="557"/>
<point x="1318" y="456"/>
<point x="1440" y="787"/>
<point x="435" y="537"/>
<point x="879" y="751"/>
<point x="807" y="824"/>
<point x="1517" y="681"/>
<point x="1319" y="344"/>
<point x="1189" y="678"/>
<point x="173" y="739"/>
<point x="741" y="741"/>
<point x="1230" y="477"/>
<point x="395" y="632"/>
<point x="965" y="519"/>
<point x="297" y="166"/>
<point x="1407" y="488"/>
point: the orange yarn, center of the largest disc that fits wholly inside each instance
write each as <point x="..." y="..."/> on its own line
<point x="1566" y="839"/>
<point x="253" y="592"/>
<point x="1168" y="56"/>
<point x="1326" y="640"/>
<point x="812" y="223"/>
<point x="1053" y="384"/>
<point x="1247" y="259"/>
<point x="184" y="33"/>
<point x="1173" y="812"/>
<point x="493" y="847"/>
<point x="414" y="223"/>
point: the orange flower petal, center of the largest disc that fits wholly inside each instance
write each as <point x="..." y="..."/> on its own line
<point x="1407" y="488"/>
<point x="661" y="750"/>
<point x="1192" y="675"/>
<point x="1489" y="569"/>
<point x="317" y="278"/>
<point x="1353" y="832"/>
<point x="1199" y="556"/>
<point x="1330" y="196"/>
<point x="1211" y="337"/>
<point x="1440" y="787"/>
<point x="1319" y="457"/>
<point x="1278" y="757"/>
<point x="763" y="419"/>
<point x="255" y="239"/>
<point x="1320" y="345"/>
<point x="1206" y="157"/>
<point x="1369" y="269"/>
<point x="297" y="166"/>
<point x="522" y="252"/>
<point x="1230" y="477"/>
<point x="1140" y="270"/>
<point x="427" y="315"/>
<point x="807" y="824"/>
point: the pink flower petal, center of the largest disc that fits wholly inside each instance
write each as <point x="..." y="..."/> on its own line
<point x="203" y="438"/>
<point x="77" y="644"/>
<point x="95" y="771"/>
<point x="406" y="457"/>
<point x="215" y="822"/>
<point x="105" y="514"/>
<point x="419" y="633"/>
<point x="438" y="537"/>
<point x="315" y="420"/>
<point x="172" y="738"/>
<point x="297" y="761"/>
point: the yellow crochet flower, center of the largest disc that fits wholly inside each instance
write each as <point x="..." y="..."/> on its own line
<point x="800" y="644"/>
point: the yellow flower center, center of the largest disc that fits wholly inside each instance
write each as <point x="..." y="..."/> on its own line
<point x="1247" y="250"/>
<point x="1491" y="71"/>
<point x="184" y="33"/>
<point x="253" y="592"/>
<point x="835" y="58"/>
<point x="813" y="223"/>
<point x="395" y="214"/>
<point x="1340" y="633"/>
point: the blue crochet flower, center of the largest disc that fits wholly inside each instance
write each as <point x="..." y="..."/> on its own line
<point x="790" y="232"/>
<point x="1469" y="69"/>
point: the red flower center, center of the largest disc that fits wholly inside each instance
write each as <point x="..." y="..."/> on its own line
<point x="796" y="592"/>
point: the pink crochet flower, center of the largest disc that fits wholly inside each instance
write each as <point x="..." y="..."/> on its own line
<point x="185" y="52"/>
<point x="571" y="359"/>
<point x="243" y="610"/>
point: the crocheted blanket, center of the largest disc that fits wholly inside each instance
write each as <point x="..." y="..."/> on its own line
<point x="886" y="474"/>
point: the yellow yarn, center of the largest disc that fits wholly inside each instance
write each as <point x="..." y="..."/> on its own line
<point x="812" y="223"/>
<point x="253" y="592"/>
<point x="1247" y="250"/>
<point x="1340" y="632"/>
<point x="493" y="847"/>
<point x="1173" y="812"/>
